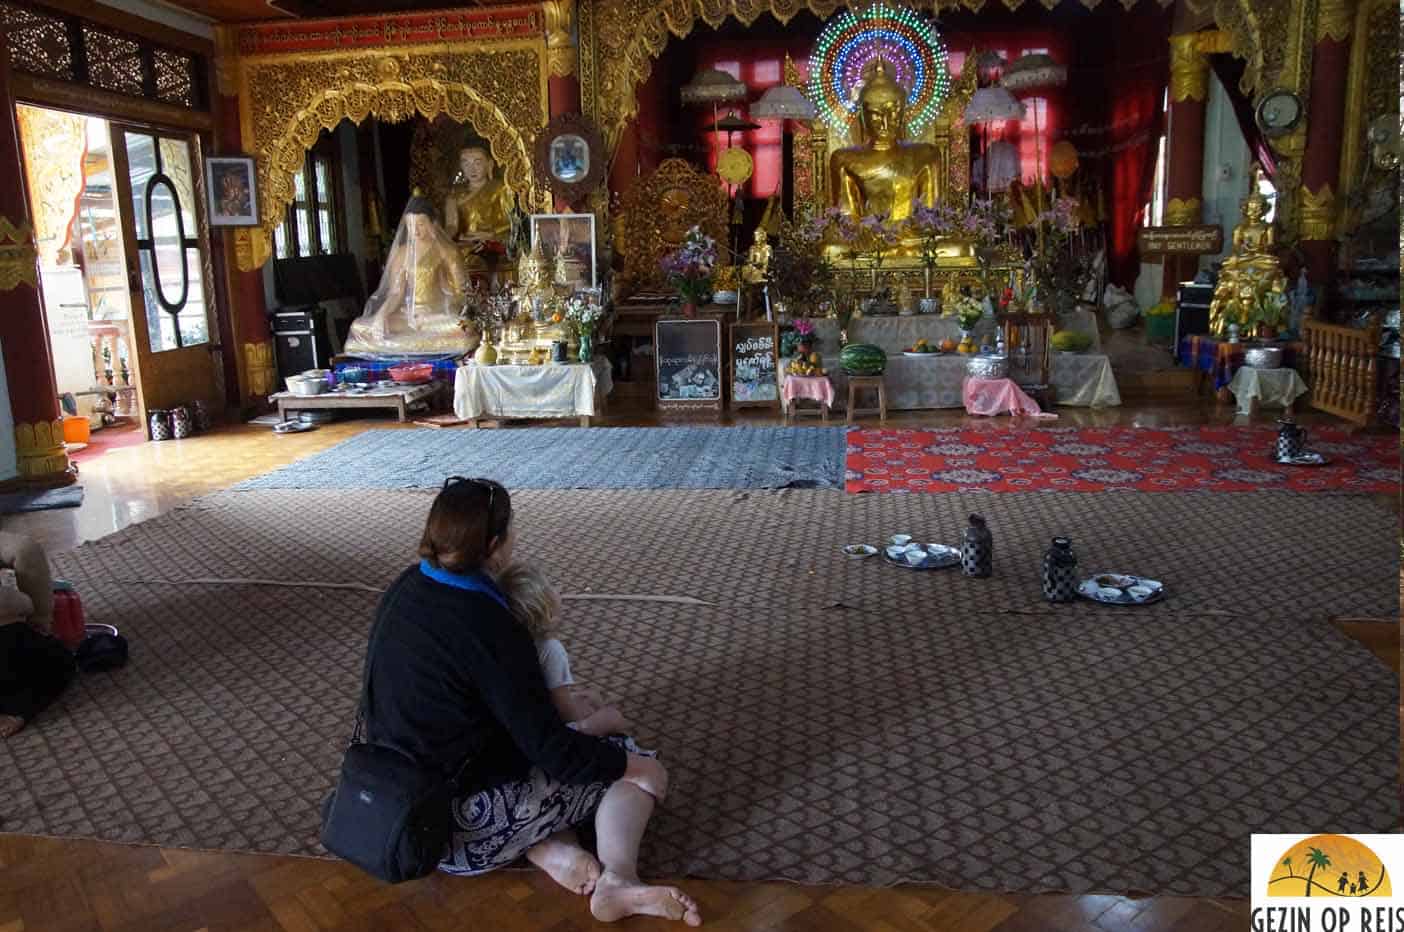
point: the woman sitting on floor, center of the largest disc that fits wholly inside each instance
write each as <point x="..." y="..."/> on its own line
<point x="35" y="667"/>
<point x="455" y="678"/>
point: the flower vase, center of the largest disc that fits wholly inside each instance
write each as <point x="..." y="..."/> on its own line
<point x="689" y="309"/>
<point x="926" y="291"/>
<point x="1267" y="332"/>
<point x="1233" y="333"/>
<point x="587" y="346"/>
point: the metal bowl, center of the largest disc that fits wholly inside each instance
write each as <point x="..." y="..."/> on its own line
<point x="1263" y="357"/>
<point x="302" y="385"/>
<point x="988" y="367"/>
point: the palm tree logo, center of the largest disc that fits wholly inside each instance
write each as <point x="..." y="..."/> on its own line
<point x="1323" y="855"/>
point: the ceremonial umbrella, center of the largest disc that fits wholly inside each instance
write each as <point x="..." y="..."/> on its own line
<point x="993" y="104"/>
<point x="783" y="102"/>
<point x="1033" y="72"/>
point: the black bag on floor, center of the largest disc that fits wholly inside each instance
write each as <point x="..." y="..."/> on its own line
<point x="387" y="815"/>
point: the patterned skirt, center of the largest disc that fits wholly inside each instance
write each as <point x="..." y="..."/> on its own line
<point x="498" y="825"/>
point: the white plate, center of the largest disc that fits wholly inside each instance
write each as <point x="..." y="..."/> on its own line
<point x="860" y="551"/>
<point x="932" y="354"/>
<point x="1138" y="591"/>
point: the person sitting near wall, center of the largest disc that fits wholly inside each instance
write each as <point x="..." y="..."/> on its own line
<point x="35" y="667"/>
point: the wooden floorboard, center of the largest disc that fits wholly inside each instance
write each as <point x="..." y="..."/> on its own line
<point x="69" y="885"/>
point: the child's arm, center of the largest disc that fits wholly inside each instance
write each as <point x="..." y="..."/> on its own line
<point x="572" y="706"/>
<point x="601" y="722"/>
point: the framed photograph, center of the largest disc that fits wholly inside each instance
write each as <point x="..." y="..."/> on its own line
<point x="688" y="363"/>
<point x="231" y="188"/>
<point x="570" y="157"/>
<point x="568" y="243"/>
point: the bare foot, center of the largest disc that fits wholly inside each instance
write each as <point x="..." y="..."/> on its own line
<point x="10" y="725"/>
<point x="616" y="898"/>
<point x="569" y="865"/>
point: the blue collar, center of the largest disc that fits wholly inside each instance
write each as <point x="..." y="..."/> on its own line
<point x="473" y="582"/>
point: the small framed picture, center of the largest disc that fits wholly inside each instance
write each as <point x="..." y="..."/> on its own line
<point x="232" y="192"/>
<point x="568" y="243"/>
<point x="569" y="158"/>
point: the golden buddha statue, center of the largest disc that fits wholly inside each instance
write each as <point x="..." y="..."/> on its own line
<point x="415" y="308"/>
<point x="1252" y="269"/>
<point x="757" y="268"/>
<point x="478" y="208"/>
<point x="885" y="175"/>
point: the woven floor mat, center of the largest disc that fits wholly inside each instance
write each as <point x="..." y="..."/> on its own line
<point x="1264" y="556"/>
<point x="928" y="732"/>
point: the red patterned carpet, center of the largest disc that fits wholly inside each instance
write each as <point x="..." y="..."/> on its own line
<point x="1092" y="459"/>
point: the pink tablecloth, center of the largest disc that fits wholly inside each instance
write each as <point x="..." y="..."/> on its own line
<point x="815" y="387"/>
<point x="989" y="397"/>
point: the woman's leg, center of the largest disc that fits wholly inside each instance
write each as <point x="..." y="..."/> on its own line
<point x="569" y="865"/>
<point x="619" y="827"/>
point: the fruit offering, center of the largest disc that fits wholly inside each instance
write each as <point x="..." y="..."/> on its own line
<point x="922" y="346"/>
<point x="810" y="365"/>
<point x="863" y="359"/>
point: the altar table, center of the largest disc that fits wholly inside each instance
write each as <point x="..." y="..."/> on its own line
<point x="1276" y="387"/>
<point x="1221" y="359"/>
<point x="553" y="390"/>
<point x="936" y="381"/>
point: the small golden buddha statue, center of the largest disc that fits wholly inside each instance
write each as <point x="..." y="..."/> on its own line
<point x="478" y="208"/>
<point x="884" y="175"/>
<point x="757" y="268"/>
<point x="1253" y="267"/>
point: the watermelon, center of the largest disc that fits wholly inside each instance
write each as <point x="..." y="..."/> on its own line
<point x="863" y="359"/>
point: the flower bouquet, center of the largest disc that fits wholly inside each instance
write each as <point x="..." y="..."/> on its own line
<point x="582" y="317"/>
<point x="691" y="269"/>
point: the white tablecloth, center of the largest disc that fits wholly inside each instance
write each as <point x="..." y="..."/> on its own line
<point x="895" y="334"/>
<point x="1082" y="380"/>
<point x="552" y="390"/>
<point x="1276" y="387"/>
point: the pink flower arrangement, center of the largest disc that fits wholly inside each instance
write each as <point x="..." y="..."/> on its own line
<point x="691" y="267"/>
<point x="804" y="328"/>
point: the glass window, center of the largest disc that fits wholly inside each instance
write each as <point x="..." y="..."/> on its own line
<point x="141" y="165"/>
<point x="311" y="225"/>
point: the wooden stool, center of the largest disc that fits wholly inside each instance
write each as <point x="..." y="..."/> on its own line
<point x="792" y="411"/>
<point x="855" y="382"/>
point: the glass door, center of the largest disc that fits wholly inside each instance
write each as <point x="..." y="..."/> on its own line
<point x="160" y="190"/>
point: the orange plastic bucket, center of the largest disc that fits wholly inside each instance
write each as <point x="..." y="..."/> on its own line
<point x="76" y="429"/>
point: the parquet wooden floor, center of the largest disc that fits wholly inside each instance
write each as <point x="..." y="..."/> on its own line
<point x="67" y="885"/>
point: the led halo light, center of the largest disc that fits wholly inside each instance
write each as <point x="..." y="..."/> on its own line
<point x="850" y="43"/>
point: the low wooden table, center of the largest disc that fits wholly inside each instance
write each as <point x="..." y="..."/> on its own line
<point x="401" y="397"/>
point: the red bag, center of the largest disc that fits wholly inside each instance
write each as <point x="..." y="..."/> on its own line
<point x="68" y="618"/>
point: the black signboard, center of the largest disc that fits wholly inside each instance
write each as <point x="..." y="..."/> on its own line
<point x="688" y="359"/>
<point x="755" y="356"/>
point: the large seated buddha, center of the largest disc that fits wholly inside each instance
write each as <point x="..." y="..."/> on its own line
<point x="885" y="175"/>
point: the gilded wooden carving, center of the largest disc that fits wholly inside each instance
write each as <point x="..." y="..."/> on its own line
<point x="19" y="260"/>
<point x="1183" y="212"/>
<point x="1317" y="213"/>
<point x="1369" y="97"/>
<point x="560" y="49"/>
<point x="287" y="96"/>
<point x="1189" y="69"/>
<point x="657" y="212"/>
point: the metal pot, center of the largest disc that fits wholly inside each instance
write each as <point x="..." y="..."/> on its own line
<point x="301" y="385"/>
<point x="988" y="367"/>
<point x="1263" y="357"/>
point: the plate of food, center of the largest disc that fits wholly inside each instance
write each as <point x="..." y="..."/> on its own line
<point x="1121" y="589"/>
<point x="921" y="348"/>
<point x="915" y="556"/>
<point x="859" y="551"/>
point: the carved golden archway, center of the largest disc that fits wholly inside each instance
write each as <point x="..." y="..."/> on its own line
<point x="287" y="99"/>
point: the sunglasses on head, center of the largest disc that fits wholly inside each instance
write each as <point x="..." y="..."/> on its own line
<point x="488" y="484"/>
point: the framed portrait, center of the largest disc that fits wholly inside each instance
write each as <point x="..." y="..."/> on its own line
<point x="570" y="158"/>
<point x="568" y="243"/>
<point x="231" y="187"/>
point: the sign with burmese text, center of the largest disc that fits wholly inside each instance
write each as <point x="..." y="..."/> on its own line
<point x="1184" y="241"/>
<point x="755" y="357"/>
<point x="688" y="357"/>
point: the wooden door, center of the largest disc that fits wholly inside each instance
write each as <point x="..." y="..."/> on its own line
<point x="160" y="191"/>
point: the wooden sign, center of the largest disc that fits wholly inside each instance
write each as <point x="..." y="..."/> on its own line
<point x="755" y="358"/>
<point x="687" y="356"/>
<point x="1188" y="241"/>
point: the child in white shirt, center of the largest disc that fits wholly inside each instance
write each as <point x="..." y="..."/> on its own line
<point x="535" y="603"/>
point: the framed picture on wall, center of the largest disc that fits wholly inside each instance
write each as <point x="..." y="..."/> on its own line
<point x="232" y="190"/>
<point x="571" y="237"/>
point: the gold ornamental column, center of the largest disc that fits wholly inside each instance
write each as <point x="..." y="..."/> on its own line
<point x="1330" y="65"/>
<point x="1189" y="91"/>
<point x="24" y="338"/>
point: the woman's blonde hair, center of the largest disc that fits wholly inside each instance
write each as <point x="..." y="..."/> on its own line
<point x="531" y="598"/>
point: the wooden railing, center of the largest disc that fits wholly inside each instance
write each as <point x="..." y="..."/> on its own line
<point x="1342" y="368"/>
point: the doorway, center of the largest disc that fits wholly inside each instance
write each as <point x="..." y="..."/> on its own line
<point x="124" y="271"/>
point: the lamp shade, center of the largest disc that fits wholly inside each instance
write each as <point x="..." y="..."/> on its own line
<point x="992" y="105"/>
<point x="712" y="86"/>
<point x="1033" y="71"/>
<point x="783" y="102"/>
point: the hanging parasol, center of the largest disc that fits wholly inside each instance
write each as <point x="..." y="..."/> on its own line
<point x="1033" y="72"/>
<point x="992" y="105"/>
<point x="712" y="86"/>
<point x="783" y="102"/>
